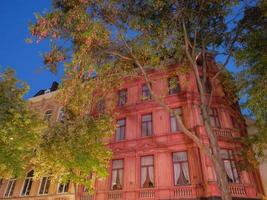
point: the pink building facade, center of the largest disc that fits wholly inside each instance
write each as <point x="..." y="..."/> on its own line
<point x="153" y="159"/>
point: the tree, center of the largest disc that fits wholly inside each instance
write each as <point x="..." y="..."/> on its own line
<point x="252" y="56"/>
<point x="20" y="127"/>
<point x="74" y="149"/>
<point x="123" y="36"/>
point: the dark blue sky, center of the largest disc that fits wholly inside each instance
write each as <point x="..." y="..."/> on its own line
<point x="15" y="16"/>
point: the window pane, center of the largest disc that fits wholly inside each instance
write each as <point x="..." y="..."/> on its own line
<point x="147" y="172"/>
<point x="174" y="86"/>
<point x="117" y="175"/>
<point x="120" y="133"/>
<point x="122" y="97"/>
<point x="117" y="164"/>
<point x="181" y="168"/>
<point x="44" y="185"/>
<point x="146" y="118"/>
<point x="179" y="156"/>
<point x="61" y="115"/>
<point x="145" y="92"/>
<point x="146" y="127"/>
<point x="147" y="160"/>
<point x="10" y="188"/>
<point x="174" y="124"/>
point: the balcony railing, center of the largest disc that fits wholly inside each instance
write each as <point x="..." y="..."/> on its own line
<point x="224" y="133"/>
<point x="114" y="195"/>
<point x="184" y="192"/>
<point x="44" y="197"/>
<point x="237" y="190"/>
<point x="147" y="194"/>
<point x="86" y="197"/>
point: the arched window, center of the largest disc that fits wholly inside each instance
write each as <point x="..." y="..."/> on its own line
<point x="27" y="184"/>
<point x="61" y="116"/>
<point x="48" y="115"/>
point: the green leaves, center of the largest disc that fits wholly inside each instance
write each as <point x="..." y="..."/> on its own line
<point x="20" y="127"/>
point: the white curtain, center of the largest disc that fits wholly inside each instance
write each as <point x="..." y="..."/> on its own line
<point x="177" y="171"/>
<point x="186" y="172"/>
<point x="151" y="174"/>
<point x="114" y="175"/>
<point x="228" y="170"/>
<point x="143" y="175"/>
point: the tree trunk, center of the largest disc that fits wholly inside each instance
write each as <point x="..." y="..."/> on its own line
<point x="216" y="159"/>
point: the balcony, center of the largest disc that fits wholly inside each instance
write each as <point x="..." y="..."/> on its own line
<point x="115" y="195"/>
<point x="44" y="197"/>
<point x="184" y="192"/>
<point x="147" y="194"/>
<point x="85" y="196"/>
<point x="238" y="190"/>
<point x="223" y="133"/>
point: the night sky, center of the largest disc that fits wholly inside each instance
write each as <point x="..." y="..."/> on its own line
<point x="15" y="16"/>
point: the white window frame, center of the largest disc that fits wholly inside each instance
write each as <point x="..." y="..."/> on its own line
<point x="39" y="190"/>
<point x="13" y="180"/>
<point x="64" y="187"/>
<point x="61" y="110"/>
<point x="30" y="179"/>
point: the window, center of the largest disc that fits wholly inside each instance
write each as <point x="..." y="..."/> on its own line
<point x="214" y="118"/>
<point x="147" y="125"/>
<point x="120" y="133"/>
<point x="100" y="105"/>
<point x="61" y="115"/>
<point x="27" y="184"/>
<point x="117" y="175"/>
<point x="207" y="84"/>
<point x="10" y="187"/>
<point x="48" y="115"/>
<point x="145" y="92"/>
<point x="174" y="125"/>
<point x="63" y="187"/>
<point x="181" y="168"/>
<point x="147" y="172"/>
<point x="174" y="86"/>
<point x="122" y="97"/>
<point x="230" y="167"/>
<point x="235" y="124"/>
<point x="45" y="184"/>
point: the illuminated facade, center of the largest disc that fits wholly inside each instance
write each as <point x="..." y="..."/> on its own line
<point x="152" y="158"/>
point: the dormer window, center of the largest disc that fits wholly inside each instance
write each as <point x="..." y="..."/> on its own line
<point x="47" y="91"/>
<point x="48" y="115"/>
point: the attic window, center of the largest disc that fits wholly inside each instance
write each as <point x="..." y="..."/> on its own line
<point x="47" y="91"/>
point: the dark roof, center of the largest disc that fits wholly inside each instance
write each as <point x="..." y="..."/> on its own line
<point x="53" y="87"/>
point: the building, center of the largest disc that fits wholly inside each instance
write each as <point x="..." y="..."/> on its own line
<point x="153" y="159"/>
